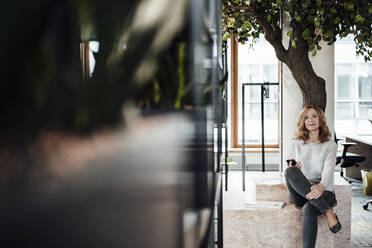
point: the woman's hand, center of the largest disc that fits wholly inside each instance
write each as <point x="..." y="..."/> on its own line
<point x="298" y="164"/>
<point x="315" y="191"/>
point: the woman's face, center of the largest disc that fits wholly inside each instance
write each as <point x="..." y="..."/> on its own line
<point x="312" y="120"/>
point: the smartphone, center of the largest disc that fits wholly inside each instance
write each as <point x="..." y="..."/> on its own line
<point x="293" y="161"/>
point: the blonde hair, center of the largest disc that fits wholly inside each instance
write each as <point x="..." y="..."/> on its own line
<point x="303" y="134"/>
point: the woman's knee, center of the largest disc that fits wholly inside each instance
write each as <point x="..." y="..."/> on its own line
<point x="292" y="170"/>
<point x="309" y="210"/>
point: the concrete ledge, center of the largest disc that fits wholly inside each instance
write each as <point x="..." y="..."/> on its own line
<point x="267" y="227"/>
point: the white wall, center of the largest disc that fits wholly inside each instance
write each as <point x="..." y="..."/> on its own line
<point x="323" y="64"/>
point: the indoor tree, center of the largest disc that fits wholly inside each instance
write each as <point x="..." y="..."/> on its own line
<point x="310" y="22"/>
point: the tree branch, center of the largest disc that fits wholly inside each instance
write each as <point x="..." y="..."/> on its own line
<point x="273" y="33"/>
<point x="241" y="7"/>
<point x="234" y="7"/>
<point x="274" y="36"/>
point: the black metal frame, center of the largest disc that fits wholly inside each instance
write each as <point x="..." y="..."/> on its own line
<point x="208" y="50"/>
<point x="225" y="112"/>
<point x="263" y="91"/>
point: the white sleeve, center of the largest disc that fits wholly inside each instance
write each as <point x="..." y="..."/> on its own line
<point x="329" y="166"/>
<point x="290" y="153"/>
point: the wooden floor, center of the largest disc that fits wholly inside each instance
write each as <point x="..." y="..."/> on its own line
<point x="361" y="220"/>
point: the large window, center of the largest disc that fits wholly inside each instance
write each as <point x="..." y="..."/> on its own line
<point x="353" y="98"/>
<point x="255" y="64"/>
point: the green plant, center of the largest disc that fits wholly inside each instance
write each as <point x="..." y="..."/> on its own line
<point x="40" y="68"/>
<point x="311" y="21"/>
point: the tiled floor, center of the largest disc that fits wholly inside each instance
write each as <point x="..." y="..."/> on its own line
<point x="361" y="220"/>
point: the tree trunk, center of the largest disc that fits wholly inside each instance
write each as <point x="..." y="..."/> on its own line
<point x="312" y="86"/>
<point x="297" y="59"/>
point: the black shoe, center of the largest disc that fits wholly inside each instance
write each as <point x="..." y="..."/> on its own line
<point x="336" y="228"/>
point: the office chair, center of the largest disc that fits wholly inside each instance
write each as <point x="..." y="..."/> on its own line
<point x="347" y="159"/>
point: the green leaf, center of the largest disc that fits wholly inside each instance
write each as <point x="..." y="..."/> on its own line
<point x="312" y="47"/>
<point x="317" y="22"/>
<point x="293" y="44"/>
<point x="298" y="18"/>
<point x="329" y="34"/>
<point x="321" y="11"/>
<point x="370" y="10"/>
<point x="306" y="34"/>
<point x="333" y="10"/>
<point x="268" y="18"/>
<point x="310" y="18"/>
<point x="349" y="6"/>
<point x="226" y="36"/>
<point x="314" y="53"/>
<point x="337" y="20"/>
<point x="290" y="33"/>
<point x="359" y="18"/>
<point x="318" y="3"/>
<point x="248" y="25"/>
<point x="318" y="38"/>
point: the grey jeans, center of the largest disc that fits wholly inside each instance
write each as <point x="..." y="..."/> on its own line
<point x="298" y="188"/>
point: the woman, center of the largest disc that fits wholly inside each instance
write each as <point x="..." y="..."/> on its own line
<point x="310" y="180"/>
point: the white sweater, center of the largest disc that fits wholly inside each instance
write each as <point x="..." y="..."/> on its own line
<point x="318" y="161"/>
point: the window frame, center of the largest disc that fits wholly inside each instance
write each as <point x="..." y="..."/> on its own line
<point x="234" y="77"/>
<point x="357" y="122"/>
